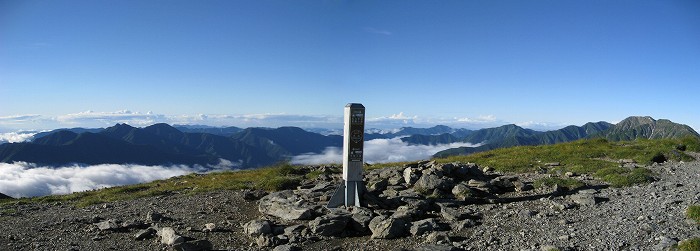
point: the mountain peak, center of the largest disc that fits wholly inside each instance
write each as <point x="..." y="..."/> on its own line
<point x="637" y="120"/>
<point x="646" y="127"/>
<point x="119" y="127"/>
<point x="163" y="129"/>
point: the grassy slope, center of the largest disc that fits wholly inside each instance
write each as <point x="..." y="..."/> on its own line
<point x="583" y="156"/>
<point x="595" y="156"/>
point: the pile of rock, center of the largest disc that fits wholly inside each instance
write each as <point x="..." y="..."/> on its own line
<point x="423" y="199"/>
<point x="150" y="229"/>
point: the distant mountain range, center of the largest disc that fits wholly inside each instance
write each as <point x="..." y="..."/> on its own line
<point x="631" y="128"/>
<point x="162" y="144"/>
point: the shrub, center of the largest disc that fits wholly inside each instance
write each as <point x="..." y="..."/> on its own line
<point x="693" y="213"/>
<point x="659" y="158"/>
<point x="681" y="147"/>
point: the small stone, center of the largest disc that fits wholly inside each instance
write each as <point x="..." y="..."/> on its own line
<point x="169" y="236"/>
<point x="564" y="222"/>
<point x="209" y="227"/>
<point x="665" y="243"/>
<point x="285" y="247"/>
<point x="583" y="199"/>
<point x="110" y="224"/>
<point x="527" y="213"/>
<point x="251" y="195"/>
<point x="145" y="234"/>
<point x="153" y="217"/>
<point x="196" y="245"/>
<point x="463" y="224"/>
<point x="436" y="247"/>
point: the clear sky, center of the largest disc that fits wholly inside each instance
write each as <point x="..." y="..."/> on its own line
<point x="472" y="64"/>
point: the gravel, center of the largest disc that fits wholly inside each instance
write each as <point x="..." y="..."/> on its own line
<point x="645" y="217"/>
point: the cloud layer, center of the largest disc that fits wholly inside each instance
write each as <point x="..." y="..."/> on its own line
<point x="379" y="151"/>
<point x="12" y="137"/>
<point x="22" y="179"/>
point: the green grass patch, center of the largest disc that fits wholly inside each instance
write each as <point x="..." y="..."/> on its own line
<point x="568" y="183"/>
<point x="589" y="156"/>
<point x="8" y="211"/>
<point x="689" y="245"/>
<point x="629" y="178"/>
<point x="693" y="212"/>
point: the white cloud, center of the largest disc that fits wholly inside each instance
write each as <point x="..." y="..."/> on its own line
<point x="110" y="118"/>
<point x="19" y="118"/>
<point x="21" y="179"/>
<point x="399" y="119"/>
<point x="540" y="126"/>
<point x="479" y="119"/>
<point x="12" y="137"/>
<point x="379" y="151"/>
<point x="259" y="120"/>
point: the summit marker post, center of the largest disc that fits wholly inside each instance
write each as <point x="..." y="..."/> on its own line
<point x="350" y="192"/>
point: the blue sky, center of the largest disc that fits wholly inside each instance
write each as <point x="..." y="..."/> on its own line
<point x="472" y="64"/>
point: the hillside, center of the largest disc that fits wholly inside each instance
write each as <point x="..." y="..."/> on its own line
<point x="628" y="129"/>
<point x="638" y="127"/>
<point x="162" y="144"/>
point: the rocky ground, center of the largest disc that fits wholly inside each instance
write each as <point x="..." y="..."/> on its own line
<point x="424" y="206"/>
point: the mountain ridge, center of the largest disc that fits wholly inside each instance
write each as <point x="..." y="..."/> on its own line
<point x="255" y="147"/>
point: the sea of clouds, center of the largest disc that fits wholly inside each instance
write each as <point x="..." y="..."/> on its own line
<point x="379" y="151"/>
<point x="22" y="179"/>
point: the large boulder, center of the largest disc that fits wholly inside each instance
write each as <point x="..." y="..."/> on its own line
<point x="463" y="192"/>
<point x="427" y="183"/>
<point x="410" y="175"/>
<point x="423" y="226"/>
<point x="257" y="227"/>
<point x="329" y="225"/>
<point x="285" y="204"/>
<point x="269" y="241"/>
<point x="360" y="219"/>
<point x="452" y="214"/>
<point x="407" y="213"/>
<point x="385" y="227"/>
